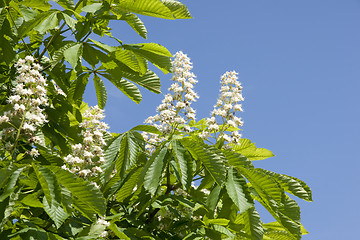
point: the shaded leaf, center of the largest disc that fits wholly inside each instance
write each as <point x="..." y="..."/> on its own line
<point x="154" y="170"/>
<point x="100" y="89"/>
<point x="237" y="191"/>
<point x="211" y="157"/>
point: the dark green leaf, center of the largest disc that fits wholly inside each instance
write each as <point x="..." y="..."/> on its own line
<point x="184" y="163"/>
<point x="237" y="190"/>
<point x="212" y="158"/>
<point x="10" y="185"/>
<point x="252" y="224"/>
<point x="86" y="197"/>
<point x="101" y="93"/>
<point x="154" y="170"/>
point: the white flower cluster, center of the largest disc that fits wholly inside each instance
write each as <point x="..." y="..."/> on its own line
<point x="175" y="108"/>
<point x="87" y="157"/>
<point x="101" y="221"/>
<point x="27" y="100"/>
<point x="226" y="107"/>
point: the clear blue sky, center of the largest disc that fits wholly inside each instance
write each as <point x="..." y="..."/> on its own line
<point x="299" y="63"/>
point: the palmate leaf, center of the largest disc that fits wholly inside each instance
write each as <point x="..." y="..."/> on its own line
<point x="110" y="156"/>
<point x="59" y="54"/>
<point x="149" y="80"/>
<point x="178" y="9"/>
<point x="86" y="197"/>
<point x="292" y="185"/>
<point x="77" y="88"/>
<point x="129" y="184"/>
<point x="73" y="54"/>
<point x="28" y="26"/>
<point x="237" y="190"/>
<point x="135" y="22"/>
<point x="131" y="59"/>
<point x="249" y="150"/>
<point x="213" y="160"/>
<point x="275" y="231"/>
<point x="52" y="192"/>
<point x="11" y="183"/>
<point x="264" y="185"/>
<point x="155" y="53"/>
<point x="252" y="224"/>
<point x="8" y="206"/>
<point x="128" y="88"/>
<point x="236" y="159"/>
<point x="282" y="213"/>
<point x="146" y="128"/>
<point x="49" y="23"/>
<point x="153" y="170"/>
<point x="101" y="93"/>
<point x="41" y="5"/>
<point x="184" y="163"/>
<point x="153" y="8"/>
<point x="128" y="153"/>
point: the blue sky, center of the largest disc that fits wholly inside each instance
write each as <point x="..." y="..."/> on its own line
<point x="299" y="63"/>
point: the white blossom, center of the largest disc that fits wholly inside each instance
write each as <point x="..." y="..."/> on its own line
<point x="27" y="99"/>
<point x="86" y="157"/>
<point x="175" y="109"/>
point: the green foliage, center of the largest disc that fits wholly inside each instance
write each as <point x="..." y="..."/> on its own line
<point x="137" y="193"/>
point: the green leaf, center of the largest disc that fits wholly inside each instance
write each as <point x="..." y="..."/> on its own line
<point x="249" y="150"/>
<point x="59" y="54"/>
<point x="131" y="60"/>
<point x="67" y="4"/>
<point x="136" y="23"/>
<point x="110" y="156"/>
<point x="10" y="186"/>
<point x="154" y="170"/>
<point x="213" y="160"/>
<point x="69" y="20"/>
<point x="128" y="154"/>
<point x="213" y="198"/>
<point x="32" y="200"/>
<point x="5" y="174"/>
<point x="49" y="23"/>
<point x="237" y="190"/>
<point x="92" y="7"/>
<point x="30" y="25"/>
<point x="128" y="185"/>
<point x="252" y="224"/>
<point x="101" y="93"/>
<point x="37" y="4"/>
<point x="178" y="9"/>
<point x="155" y="53"/>
<point x="292" y="185"/>
<point x="103" y="46"/>
<point x="86" y="197"/>
<point x="184" y="163"/>
<point x="52" y="191"/>
<point x="237" y="159"/>
<point x="146" y="128"/>
<point x="77" y="88"/>
<point x="73" y="54"/>
<point x="8" y="206"/>
<point x="149" y="80"/>
<point x="153" y="8"/>
<point x="128" y="88"/>
<point x="264" y="185"/>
